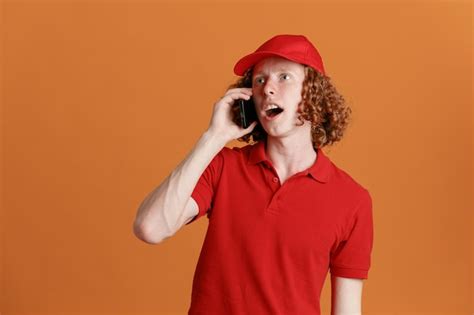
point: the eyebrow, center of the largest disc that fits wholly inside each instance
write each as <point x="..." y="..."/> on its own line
<point x="278" y="71"/>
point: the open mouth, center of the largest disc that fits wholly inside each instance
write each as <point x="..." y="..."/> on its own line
<point x="272" y="112"/>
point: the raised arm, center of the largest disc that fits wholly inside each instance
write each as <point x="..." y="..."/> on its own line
<point x="169" y="206"/>
<point x="346" y="296"/>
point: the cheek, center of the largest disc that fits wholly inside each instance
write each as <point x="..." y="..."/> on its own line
<point x="255" y="89"/>
<point x="296" y="93"/>
<point x="256" y="95"/>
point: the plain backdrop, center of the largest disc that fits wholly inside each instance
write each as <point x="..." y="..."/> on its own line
<point x="101" y="100"/>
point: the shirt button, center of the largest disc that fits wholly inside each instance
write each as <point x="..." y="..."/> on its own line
<point x="275" y="180"/>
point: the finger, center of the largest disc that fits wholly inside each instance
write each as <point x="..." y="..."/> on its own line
<point x="236" y="95"/>
<point x="251" y="126"/>
<point x="240" y="90"/>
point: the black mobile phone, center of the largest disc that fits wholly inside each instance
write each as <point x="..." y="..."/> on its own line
<point x="247" y="112"/>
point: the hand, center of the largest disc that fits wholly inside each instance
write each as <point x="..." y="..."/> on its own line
<point x="221" y="122"/>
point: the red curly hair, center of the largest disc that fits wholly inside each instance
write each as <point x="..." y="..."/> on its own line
<point x="321" y="104"/>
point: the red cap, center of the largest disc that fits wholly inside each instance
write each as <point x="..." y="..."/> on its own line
<point x="296" y="48"/>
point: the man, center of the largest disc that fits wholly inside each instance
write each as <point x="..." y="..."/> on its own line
<point x="281" y="214"/>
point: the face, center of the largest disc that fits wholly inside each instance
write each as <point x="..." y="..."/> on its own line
<point x="276" y="86"/>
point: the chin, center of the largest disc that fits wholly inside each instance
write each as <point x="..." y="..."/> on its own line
<point x="276" y="132"/>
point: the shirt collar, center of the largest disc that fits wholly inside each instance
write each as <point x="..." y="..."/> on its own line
<point x="321" y="170"/>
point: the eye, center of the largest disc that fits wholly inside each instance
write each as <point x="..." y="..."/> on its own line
<point x="259" y="80"/>
<point x="285" y="76"/>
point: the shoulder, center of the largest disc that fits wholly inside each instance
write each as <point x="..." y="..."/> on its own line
<point x="343" y="177"/>
<point x="236" y="153"/>
<point x="353" y="198"/>
<point x="348" y="185"/>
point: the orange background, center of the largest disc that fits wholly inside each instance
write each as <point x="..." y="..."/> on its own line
<point x="102" y="99"/>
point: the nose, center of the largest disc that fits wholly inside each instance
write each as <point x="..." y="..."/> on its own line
<point x="269" y="88"/>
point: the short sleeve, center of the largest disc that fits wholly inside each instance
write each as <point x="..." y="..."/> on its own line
<point x="352" y="256"/>
<point x="204" y="191"/>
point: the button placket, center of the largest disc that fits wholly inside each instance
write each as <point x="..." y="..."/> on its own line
<point x="274" y="183"/>
<point x="275" y="202"/>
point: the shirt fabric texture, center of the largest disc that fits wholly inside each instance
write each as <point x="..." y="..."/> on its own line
<point x="269" y="247"/>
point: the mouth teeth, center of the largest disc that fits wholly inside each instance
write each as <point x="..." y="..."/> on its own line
<point x="271" y="106"/>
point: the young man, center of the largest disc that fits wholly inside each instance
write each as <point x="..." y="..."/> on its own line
<point x="281" y="214"/>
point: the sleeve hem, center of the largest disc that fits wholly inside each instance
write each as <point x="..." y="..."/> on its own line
<point x="349" y="272"/>
<point x="199" y="200"/>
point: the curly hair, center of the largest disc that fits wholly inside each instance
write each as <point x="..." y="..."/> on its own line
<point x="321" y="105"/>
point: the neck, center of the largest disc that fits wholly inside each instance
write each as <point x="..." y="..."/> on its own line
<point x="290" y="156"/>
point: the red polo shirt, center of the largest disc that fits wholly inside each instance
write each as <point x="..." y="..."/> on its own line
<point x="268" y="247"/>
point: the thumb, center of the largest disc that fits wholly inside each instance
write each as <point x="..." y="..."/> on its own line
<point x="249" y="129"/>
<point x="251" y="126"/>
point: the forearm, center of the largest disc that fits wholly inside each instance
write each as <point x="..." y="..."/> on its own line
<point x="346" y="296"/>
<point x="161" y="211"/>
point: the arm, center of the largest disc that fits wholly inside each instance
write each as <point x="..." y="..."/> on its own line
<point x="346" y="296"/>
<point x="167" y="208"/>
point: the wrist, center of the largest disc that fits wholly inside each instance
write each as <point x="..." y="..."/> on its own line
<point x="216" y="138"/>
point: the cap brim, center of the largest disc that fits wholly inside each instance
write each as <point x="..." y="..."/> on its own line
<point x="250" y="60"/>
